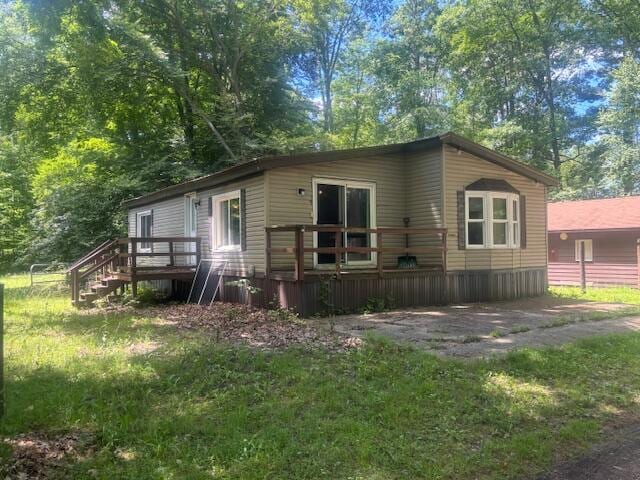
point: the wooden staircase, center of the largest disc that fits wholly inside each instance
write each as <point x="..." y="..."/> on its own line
<point x="101" y="287"/>
<point x="114" y="264"/>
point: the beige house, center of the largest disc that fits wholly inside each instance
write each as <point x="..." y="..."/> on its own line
<point x="436" y="220"/>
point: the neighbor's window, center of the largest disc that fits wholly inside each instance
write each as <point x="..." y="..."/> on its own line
<point x="588" y="250"/>
<point x="492" y="220"/>
<point x="144" y="226"/>
<point x="226" y="224"/>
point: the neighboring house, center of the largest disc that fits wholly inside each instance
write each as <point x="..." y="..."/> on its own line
<point x="476" y="225"/>
<point x="607" y="229"/>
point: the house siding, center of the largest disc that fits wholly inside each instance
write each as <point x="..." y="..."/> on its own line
<point x="424" y="199"/>
<point x="461" y="169"/>
<point x="169" y="221"/>
<point x="405" y="187"/>
<point x="286" y="206"/>
<point x="615" y="258"/>
<point x="251" y="260"/>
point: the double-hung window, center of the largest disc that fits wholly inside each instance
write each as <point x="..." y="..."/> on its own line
<point x="144" y="229"/>
<point x="492" y="219"/>
<point x="226" y="221"/>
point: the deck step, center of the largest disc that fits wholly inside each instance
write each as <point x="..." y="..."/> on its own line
<point x="99" y="289"/>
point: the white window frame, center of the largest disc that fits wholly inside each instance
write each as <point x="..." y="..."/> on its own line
<point x="216" y="224"/>
<point x="513" y="235"/>
<point x="139" y="215"/>
<point x="371" y="186"/>
<point x="588" y="251"/>
<point x="483" y="220"/>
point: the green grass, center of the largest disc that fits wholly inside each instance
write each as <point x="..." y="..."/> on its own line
<point x="196" y="409"/>
<point x="611" y="295"/>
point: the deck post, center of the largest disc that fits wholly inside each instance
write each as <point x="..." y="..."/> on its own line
<point x="380" y="256"/>
<point x="583" y="271"/>
<point x="198" y="251"/>
<point x="267" y="253"/>
<point x="134" y="282"/>
<point x="299" y="267"/>
<point x="171" y="258"/>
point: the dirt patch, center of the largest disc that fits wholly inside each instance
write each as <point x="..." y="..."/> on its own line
<point x="142" y="348"/>
<point x="616" y="459"/>
<point x="257" y="328"/>
<point x="38" y="456"/>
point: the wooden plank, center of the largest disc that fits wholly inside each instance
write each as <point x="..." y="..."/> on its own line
<point x="158" y="239"/>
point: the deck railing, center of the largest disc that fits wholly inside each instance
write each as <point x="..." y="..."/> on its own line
<point x="438" y="236"/>
<point x="121" y="256"/>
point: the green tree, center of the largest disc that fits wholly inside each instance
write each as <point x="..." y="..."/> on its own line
<point x="620" y="123"/>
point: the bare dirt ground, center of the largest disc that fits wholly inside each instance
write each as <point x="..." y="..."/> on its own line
<point x="481" y="330"/>
<point x="616" y="459"/>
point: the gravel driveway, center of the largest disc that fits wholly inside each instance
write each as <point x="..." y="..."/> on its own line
<point x="480" y="330"/>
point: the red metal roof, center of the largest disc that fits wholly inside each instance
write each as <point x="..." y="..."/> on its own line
<point x="601" y="214"/>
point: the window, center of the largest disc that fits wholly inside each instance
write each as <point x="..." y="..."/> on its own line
<point x="226" y="224"/>
<point x="588" y="250"/>
<point x="350" y="204"/>
<point x="144" y="229"/>
<point x="492" y="220"/>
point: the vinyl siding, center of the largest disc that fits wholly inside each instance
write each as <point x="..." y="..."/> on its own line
<point x="461" y="169"/>
<point x="615" y="258"/>
<point x="424" y="199"/>
<point x="405" y="187"/>
<point x="168" y="221"/>
<point x="252" y="259"/>
<point x="287" y="207"/>
<point x="169" y="218"/>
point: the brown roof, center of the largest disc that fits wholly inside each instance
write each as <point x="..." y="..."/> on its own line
<point x="257" y="165"/>
<point x="621" y="213"/>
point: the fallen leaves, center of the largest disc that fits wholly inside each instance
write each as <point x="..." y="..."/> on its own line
<point x="257" y="328"/>
<point x="37" y="456"/>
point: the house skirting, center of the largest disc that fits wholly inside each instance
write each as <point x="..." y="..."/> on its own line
<point x="320" y="295"/>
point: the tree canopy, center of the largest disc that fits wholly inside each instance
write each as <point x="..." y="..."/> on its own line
<point x="101" y="100"/>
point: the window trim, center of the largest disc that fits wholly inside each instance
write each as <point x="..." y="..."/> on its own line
<point x="216" y="232"/>
<point x="513" y="241"/>
<point x="139" y="216"/>
<point x="588" y="253"/>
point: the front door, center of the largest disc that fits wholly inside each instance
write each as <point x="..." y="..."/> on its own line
<point x="347" y="204"/>
<point x="190" y="224"/>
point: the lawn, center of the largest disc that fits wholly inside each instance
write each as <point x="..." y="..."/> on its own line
<point x="197" y="408"/>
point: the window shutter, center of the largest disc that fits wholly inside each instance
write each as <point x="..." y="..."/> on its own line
<point x="210" y="217"/>
<point x="523" y="221"/>
<point x="151" y="230"/>
<point x="243" y="219"/>
<point x="462" y="241"/>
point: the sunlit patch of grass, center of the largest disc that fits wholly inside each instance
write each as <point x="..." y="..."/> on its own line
<point x="193" y="408"/>
<point x="599" y="294"/>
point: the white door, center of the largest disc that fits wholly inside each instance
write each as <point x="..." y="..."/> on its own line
<point x="190" y="224"/>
